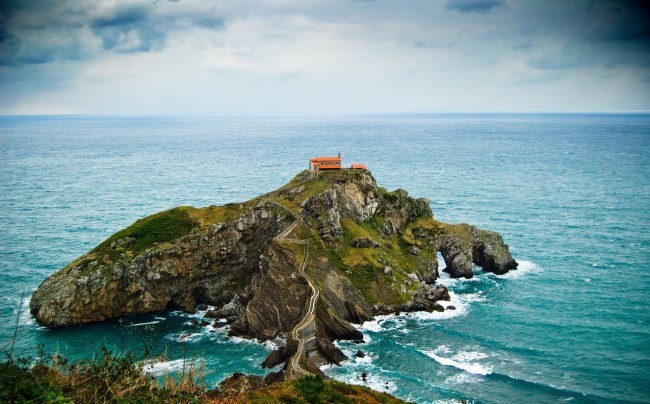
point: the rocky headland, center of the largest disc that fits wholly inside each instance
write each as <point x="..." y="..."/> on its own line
<point x="301" y="264"/>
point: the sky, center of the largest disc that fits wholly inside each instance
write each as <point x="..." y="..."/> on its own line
<point x="200" y="57"/>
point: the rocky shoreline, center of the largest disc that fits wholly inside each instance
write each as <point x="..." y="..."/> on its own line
<point x="369" y="252"/>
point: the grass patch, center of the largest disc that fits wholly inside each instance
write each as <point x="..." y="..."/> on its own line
<point x="205" y="217"/>
<point x="158" y="228"/>
<point x="315" y="390"/>
<point x="364" y="278"/>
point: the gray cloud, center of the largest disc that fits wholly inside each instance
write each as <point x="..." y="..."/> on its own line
<point x="428" y="54"/>
<point x="602" y="33"/>
<point x="128" y="15"/>
<point x="50" y="30"/>
<point x="478" y="6"/>
<point x="128" y="29"/>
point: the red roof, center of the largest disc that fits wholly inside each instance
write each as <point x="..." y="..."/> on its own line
<point x="317" y="159"/>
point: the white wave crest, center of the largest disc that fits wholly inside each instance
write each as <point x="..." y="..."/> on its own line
<point x="147" y="323"/>
<point x="524" y="268"/>
<point x="447" y="281"/>
<point x="356" y="366"/>
<point x="463" y="378"/>
<point x="270" y="345"/>
<point x="375" y="325"/>
<point x="461" y="302"/>
<point x="207" y="332"/>
<point x="375" y="379"/>
<point x="463" y="360"/>
<point x="161" y="368"/>
<point x="366" y="359"/>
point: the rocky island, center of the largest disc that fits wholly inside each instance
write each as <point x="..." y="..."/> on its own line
<point x="302" y="264"/>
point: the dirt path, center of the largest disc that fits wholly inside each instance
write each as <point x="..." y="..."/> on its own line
<point x="294" y="369"/>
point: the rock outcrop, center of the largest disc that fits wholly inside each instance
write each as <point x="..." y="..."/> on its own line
<point x="369" y="251"/>
<point x="490" y="252"/>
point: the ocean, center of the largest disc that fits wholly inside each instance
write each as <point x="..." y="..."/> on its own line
<point x="570" y="193"/>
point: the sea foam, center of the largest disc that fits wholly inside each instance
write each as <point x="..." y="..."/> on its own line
<point x="161" y="368"/>
<point x="351" y="373"/>
<point x="524" y="268"/>
<point x="140" y="324"/>
<point x="464" y="360"/>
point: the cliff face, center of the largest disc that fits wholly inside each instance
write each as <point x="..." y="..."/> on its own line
<point x="366" y="251"/>
<point x="213" y="266"/>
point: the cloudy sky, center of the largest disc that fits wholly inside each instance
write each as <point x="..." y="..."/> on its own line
<point x="330" y="56"/>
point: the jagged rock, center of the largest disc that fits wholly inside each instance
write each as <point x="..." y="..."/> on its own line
<point x="124" y="242"/>
<point x="296" y="191"/>
<point x="331" y="352"/>
<point x="219" y="324"/>
<point x="364" y="242"/>
<point x="430" y="274"/>
<point x="356" y="314"/>
<point x="490" y="252"/>
<point x="278" y="356"/>
<point x="277" y="304"/>
<point x="457" y="253"/>
<point x="399" y="209"/>
<point x="330" y="227"/>
<point x="359" y="354"/>
<point x="451" y="307"/>
<point x="388" y="270"/>
<point x="354" y="197"/>
<point x="424" y="299"/>
<point x="339" y="293"/>
<point x="335" y="327"/>
<point x="469" y="245"/>
<point x="238" y="384"/>
<point x="231" y="309"/>
<point x="273" y="377"/>
<point x="440" y="293"/>
<point x="413" y="250"/>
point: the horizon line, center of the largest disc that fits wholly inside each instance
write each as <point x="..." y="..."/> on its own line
<point x="199" y="115"/>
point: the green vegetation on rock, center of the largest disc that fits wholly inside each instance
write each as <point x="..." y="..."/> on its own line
<point x="158" y="228"/>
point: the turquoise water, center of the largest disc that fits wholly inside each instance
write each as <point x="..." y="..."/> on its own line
<point x="569" y="193"/>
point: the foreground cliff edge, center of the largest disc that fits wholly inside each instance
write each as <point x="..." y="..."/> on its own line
<point x="301" y="263"/>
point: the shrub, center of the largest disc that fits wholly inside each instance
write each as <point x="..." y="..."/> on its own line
<point x="315" y="390"/>
<point x="19" y="384"/>
<point x="105" y="378"/>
